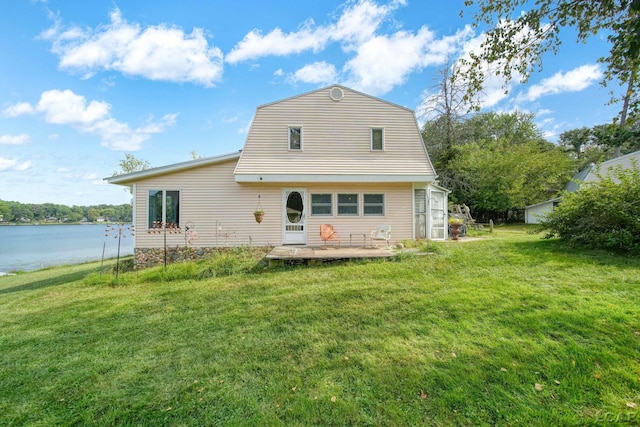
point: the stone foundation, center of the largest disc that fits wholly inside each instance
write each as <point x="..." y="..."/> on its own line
<point x="149" y="257"/>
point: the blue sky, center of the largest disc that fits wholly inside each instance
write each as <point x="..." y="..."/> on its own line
<point x="83" y="83"/>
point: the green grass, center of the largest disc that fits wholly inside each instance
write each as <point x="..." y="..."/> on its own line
<point x="459" y="337"/>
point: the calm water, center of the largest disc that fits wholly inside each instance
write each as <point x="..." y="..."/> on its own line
<point x="31" y="247"/>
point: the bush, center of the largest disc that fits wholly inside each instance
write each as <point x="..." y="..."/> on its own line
<point x="604" y="214"/>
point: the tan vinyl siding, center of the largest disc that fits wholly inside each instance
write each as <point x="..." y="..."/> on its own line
<point x="398" y="212"/>
<point x="336" y="138"/>
<point x="209" y="197"/>
<point x="336" y="158"/>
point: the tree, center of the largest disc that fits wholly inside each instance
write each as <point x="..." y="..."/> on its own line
<point x="443" y="109"/>
<point x="20" y="212"/>
<point x="93" y="214"/>
<point x="517" y="39"/>
<point x="501" y="162"/>
<point x="195" y="156"/>
<point x="131" y="164"/>
<point x="500" y="176"/>
<point x="591" y="145"/>
<point x="5" y="212"/>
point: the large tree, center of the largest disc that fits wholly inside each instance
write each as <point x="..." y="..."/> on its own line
<point x="521" y="32"/>
<point x="501" y="162"/>
<point x="443" y="111"/>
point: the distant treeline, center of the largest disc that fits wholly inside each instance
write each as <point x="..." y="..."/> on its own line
<point x="15" y="212"/>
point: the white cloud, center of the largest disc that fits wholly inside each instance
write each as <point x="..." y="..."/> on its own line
<point x="64" y="107"/>
<point x="119" y="136"/>
<point x="378" y="62"/>
<point x="372" y="70"/>
<point x="14" y="139"/>
<point x="18" y="109"/>
<point x="244" y="128"/>
<point x="360" y="22"/>
<point x="255" y="45"/>
<point x="317" y="73"/>
<point x="63" y="170"/>
<point x="13" y="165"/>
<point x="230" y="119"/>
<point x="159" y="52"/>
<point x="572" y="81"/>
<point x="357" y="24"/>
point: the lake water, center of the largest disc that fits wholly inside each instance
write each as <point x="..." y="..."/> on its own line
<point x="32" y="247"/>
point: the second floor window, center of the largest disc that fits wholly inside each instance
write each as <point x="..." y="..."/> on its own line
<point x="295" y="138"/>
<point x="377" y="139"/>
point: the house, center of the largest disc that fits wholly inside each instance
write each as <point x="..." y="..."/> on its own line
<point x="330" y="156"/>
<point x="534" y="213"/>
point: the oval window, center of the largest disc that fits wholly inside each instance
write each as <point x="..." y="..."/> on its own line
<point x="294" y="207"/>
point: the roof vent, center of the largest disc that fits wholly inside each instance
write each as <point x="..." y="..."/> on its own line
<point x="336" y="93"/>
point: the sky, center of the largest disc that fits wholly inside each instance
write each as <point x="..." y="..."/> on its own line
<point x="84" y="83"/>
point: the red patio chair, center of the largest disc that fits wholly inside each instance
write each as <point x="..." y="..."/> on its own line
<point x="328" y="233"/>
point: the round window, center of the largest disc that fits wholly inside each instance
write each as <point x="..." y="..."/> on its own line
<point x="294" y="207"/>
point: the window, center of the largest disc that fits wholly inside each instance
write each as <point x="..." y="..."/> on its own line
<point x="321" y="204"/>
<point x="164" y="206"/>
<point x="377" y="139"/>
<point x="295" y="138"/>
<point x="348" y="204"/>
<point x="373" y="204"/>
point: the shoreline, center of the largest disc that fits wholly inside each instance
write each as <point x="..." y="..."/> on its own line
<point x="86" y="261"/>
<point x="30" y="248"/>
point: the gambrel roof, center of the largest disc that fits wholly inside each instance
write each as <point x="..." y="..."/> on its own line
<point x="335" y="124"/>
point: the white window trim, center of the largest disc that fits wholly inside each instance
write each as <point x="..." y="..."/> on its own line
<point x="384" y="204"/>
<point x="164" y="204"/>
<point x="371" y="138"/>
<point x="358" y="205"/>
<point x="289" y="137"/>
<point x="311" y="204"/>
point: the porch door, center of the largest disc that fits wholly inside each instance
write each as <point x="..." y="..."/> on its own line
<point x="420" y="207"/>
<point x="294" y="221"/>
<point x="438" y="222"/>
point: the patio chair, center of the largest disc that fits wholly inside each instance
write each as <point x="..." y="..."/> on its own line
<point x="382" y="232"/>
<point x="328" y="233"/>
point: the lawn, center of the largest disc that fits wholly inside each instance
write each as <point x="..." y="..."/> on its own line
<point x="506" y="330"/>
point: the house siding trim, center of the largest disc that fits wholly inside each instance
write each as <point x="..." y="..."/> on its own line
<point x="283" y="178"/>
<point x="125" y="179"/>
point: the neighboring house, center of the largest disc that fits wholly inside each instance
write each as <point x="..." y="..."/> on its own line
<point x="331" y="156"/>
<point x="534" y="213"/>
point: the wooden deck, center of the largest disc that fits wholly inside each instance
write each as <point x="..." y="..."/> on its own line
<point x="282" y="254"/>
